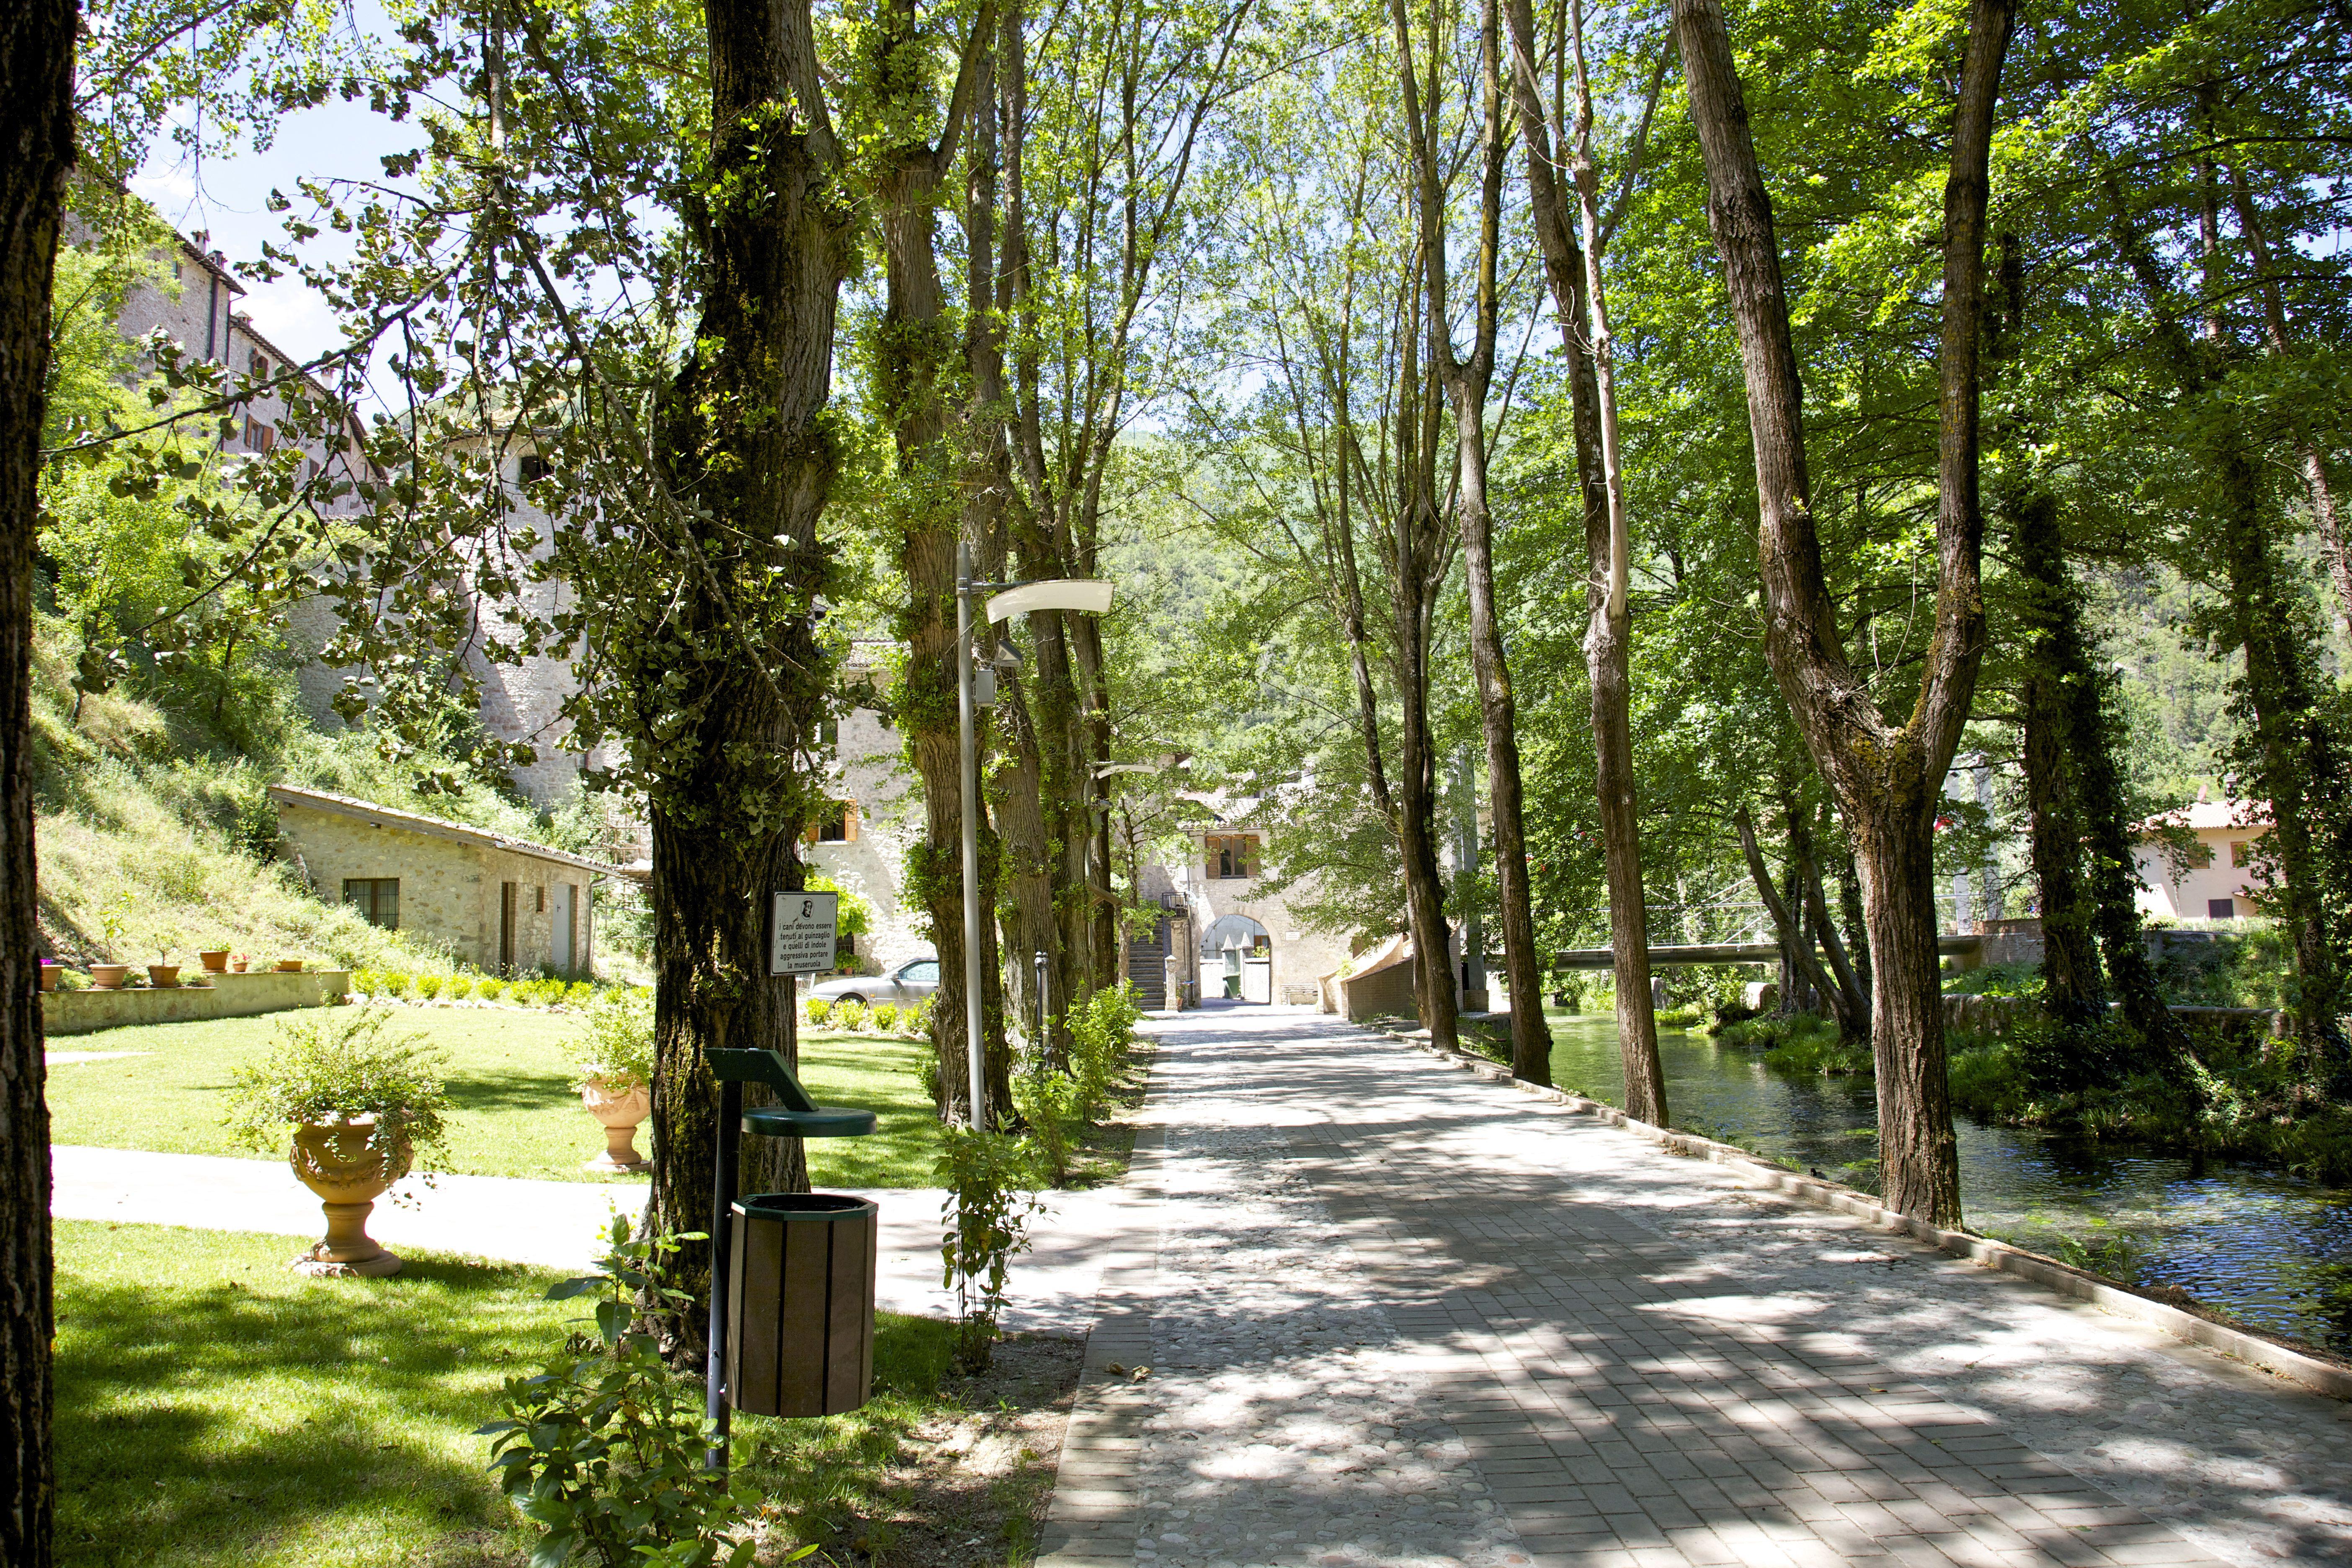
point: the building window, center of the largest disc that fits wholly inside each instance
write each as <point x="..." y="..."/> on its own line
<point x="260" y="438"/>
<point x="2200" y="856"/>
<point x="1231" y="855"/>
<point x="2220" y="909"/>
<point x="539" y="899"/>
<point x="259" y="364"/>
<point x="836" y="823"/>
<point x="534" y="468"/>
<point x="377" y="899"/>
<point x="828" y="731"/>
<point x="2239" y="853"/>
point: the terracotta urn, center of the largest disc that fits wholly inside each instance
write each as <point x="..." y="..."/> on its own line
<point x="619" y="1114"/>
<point x="107" y="977"/>
<point x="216" y="962"/>
<point x="50" y="972"/>
<point x="162" y="976"/>
<point x="349" y="1170"/>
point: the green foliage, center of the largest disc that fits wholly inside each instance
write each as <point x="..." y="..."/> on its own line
<point x="856" y="916"/>
<point x="1049" y="1103"/>
<point x="1801" y="1045"/>
<point x="458" y="987"/>
<point x="851" y="1017"/>
<point x="340" y="1065"/>
<point x="491" y="988"/>
<point x="620" y="1038"/>
<point x="1102" y="1029"/>
<point x="818" y="1011"/>
<point x="579" y="994"/>
<point x="1996" y="980"/>
<point x="603" y="1451"/>
<point x="987" y="1216"/>
<point x="885" y="1018"/>
<point x="395" y="984"/>
<point x="428" y="986"/>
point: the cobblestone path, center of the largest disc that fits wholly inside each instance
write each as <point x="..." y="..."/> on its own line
<point x="1392" y="1314"/>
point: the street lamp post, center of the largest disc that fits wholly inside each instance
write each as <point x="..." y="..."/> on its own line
<point x="1081" y="596"/>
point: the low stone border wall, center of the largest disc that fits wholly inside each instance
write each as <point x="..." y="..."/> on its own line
<point x="228" y="996"/>
<point x="2195" y="1326"/>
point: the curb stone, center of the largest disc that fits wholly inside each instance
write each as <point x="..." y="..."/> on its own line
<point x="2307" y="1372"/>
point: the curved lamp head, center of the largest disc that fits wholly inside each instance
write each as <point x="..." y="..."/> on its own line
<point x="1086" y="596"/>
<point x="1107" y="769"/>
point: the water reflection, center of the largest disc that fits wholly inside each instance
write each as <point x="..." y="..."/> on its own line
<point x="2267" y="1247"/>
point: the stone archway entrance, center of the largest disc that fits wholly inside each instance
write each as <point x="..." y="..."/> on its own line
<point x="1236" y="961"/>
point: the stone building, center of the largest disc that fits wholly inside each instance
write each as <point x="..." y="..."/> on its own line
<point x="502" y="904"/>
<point x="2215" y="879"/>
<point x="874" y="817"/>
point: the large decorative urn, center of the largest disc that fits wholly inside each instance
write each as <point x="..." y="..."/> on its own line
<point x="349" y="1167"/>
<point x="619" y="1105"/>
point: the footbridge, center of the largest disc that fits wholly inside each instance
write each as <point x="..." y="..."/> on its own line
<point x="1969" y="950"/>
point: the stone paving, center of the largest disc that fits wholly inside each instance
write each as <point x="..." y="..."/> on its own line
<point x="1390" y="1313"/>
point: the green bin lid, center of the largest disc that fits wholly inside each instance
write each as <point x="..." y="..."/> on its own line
<point x="825" y="1121"/>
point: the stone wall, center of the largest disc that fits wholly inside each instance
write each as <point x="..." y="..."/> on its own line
<point x="227" y="996"/>
<point x="449" y="890"/>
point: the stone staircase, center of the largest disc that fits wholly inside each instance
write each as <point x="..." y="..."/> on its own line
<point x="1147" y="967"/>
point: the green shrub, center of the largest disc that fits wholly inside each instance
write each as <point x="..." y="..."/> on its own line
<point x="341" y="1065"/>
<point x="491" y="988"/>
<point x="395" y="985"/>
<point x="579" y="994"/>
<point x="1102" y="1028"/>
<point x="428" y="986"/>
<point x="1048" y="1102"/>
<point x="458" y="987"/>
<point x="620" y="1038"/>
<point x="1801" y="1045"/>
<point x="850" y="1017"/>
<point x="604" y="1451"/>
<point x="885" y="1018"/>
<point x="818" y="1011"/>
<point x="987" y="1224"/>
<point x="1996" y="980"/>
<point x="915" y="1022"/>
<point x="366" y="981"/>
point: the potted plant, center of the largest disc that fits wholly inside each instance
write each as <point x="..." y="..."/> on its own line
<point x="110" y="976"/>
<point x="361" y="1105"/>
<point x="290" y="966"/>
<point x="163" y="973"/>
<point x="50" y="970"/>
<point x="616" y="1082"/>
<point x="215" y="960"/>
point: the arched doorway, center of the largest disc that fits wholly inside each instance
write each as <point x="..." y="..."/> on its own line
<point x="1236" y="961"/>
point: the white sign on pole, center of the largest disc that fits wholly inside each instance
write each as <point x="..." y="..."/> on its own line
<point x="802" y="930"/>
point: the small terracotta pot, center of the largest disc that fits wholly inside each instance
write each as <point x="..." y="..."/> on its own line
<point x="290" y="966"/>
<point x="163" y="975"/>
<point x="619" y="1114"/>
<point x="50" y="972"/>
<point x="214" y="963"/>
<point x="349" y="1169"/>
<point x="107" y="977"/>
<point x="237" y="965"/>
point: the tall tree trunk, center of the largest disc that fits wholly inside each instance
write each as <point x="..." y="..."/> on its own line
<point x="2073" y="988"/>
<point x="1847" y="997"/>
<point x="36" y="130"/>
<point x="740" y="434"/>
<point x="1467" y="383"/>
<point x="1887" y="778"/>
<point x="1798" y="961"/>
<point x="1608" y="639"/>
<point x="912" y="356"/>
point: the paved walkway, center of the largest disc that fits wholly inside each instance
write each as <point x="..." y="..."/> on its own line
<point x="1393" y="1314"/>
<point x="557" y="1224"/>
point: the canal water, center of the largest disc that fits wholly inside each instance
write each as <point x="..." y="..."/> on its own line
<point x="2244" y="1239"/>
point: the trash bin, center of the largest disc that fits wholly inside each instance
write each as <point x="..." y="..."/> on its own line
<point x="800" y="1308"/>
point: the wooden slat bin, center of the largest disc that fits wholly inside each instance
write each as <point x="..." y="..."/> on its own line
<point x="800" y="1307"/>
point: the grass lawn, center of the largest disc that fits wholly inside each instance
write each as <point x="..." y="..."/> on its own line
<point x="508" y="1074"/>
<point x="214" y="1409"/>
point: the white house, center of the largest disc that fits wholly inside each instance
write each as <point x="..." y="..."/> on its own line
<point x="2216" y="879"/>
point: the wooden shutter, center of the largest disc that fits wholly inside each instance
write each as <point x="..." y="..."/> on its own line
<point x="849" y="822"/>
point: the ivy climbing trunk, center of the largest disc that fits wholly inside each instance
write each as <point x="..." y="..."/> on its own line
<point x="914" y="357"/>
<point x="37" y="133"/>
<point x="1887" y="778"/>
<point x="735" y="660"/>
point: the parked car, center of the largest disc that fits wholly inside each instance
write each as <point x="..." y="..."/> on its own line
<point x="910" y="984"/>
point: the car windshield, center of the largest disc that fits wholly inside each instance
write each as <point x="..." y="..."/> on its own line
<point x="926" y="970"/>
